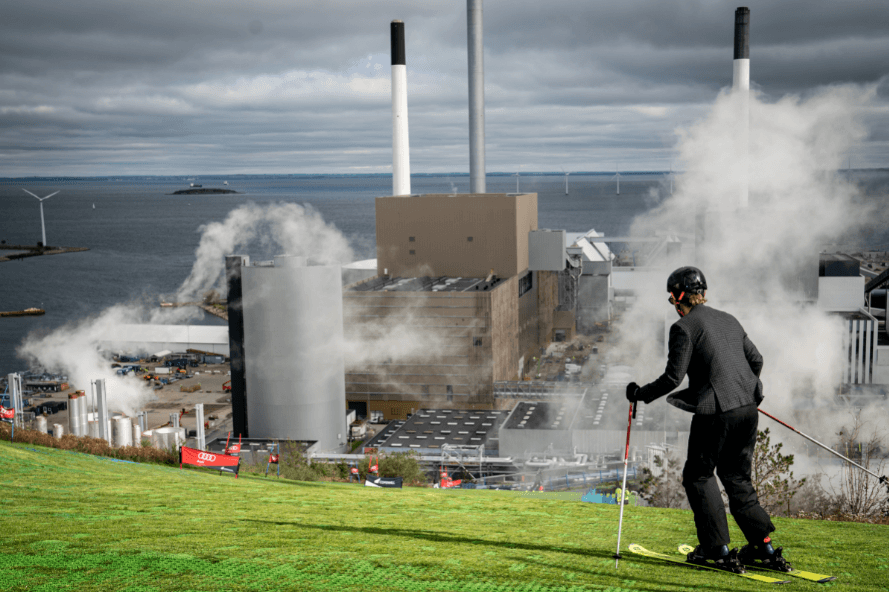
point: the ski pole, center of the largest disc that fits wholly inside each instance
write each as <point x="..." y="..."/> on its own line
<point x="623" y="490"/>
<point x="882" y="479"/>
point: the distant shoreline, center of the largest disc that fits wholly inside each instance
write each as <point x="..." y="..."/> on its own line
<point x="247" y="177"/>
<point x="201" y="190"/>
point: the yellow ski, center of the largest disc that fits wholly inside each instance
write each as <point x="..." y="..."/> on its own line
<point x="805" y="575"/>
<point x="640" y="550"/>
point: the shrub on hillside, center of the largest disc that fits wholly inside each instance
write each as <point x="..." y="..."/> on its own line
<point x="297" y="466"/>
<point x="402" y="464"/>
<point x="94" y="446"/>
<point x="664" y="490"/>
<point x="772" y="477"/>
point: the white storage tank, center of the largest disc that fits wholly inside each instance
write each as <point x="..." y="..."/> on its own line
<point x="122" y="432"/>
<point x="58" y="430"/>
<point x="164" y="438"/>
<point x="92" y="429"/>
<point x="40" y="424"/>
<point x="294" y="365"/>
<point x="74" y="418"/>
<point x="137" y="435"/>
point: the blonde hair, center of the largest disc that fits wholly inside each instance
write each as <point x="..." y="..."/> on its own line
<point x="696" y="299"/>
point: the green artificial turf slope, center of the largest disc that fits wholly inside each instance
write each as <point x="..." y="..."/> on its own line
<point x="70" y="521"/>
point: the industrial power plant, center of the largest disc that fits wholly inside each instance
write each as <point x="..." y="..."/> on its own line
<point x="475" y="338"/>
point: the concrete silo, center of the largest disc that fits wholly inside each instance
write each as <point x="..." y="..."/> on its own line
<point x="295" y="372"/>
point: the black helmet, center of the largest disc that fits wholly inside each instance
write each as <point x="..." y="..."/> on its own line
<point x="684" y="281"/>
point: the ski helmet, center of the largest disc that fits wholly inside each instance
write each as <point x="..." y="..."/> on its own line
<point x="685" y="281"/>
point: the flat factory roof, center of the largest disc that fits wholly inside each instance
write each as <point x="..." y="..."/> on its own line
<point x="425" y="284"/>
<point x="543" y="415"/>
<point x="428" y="429"/>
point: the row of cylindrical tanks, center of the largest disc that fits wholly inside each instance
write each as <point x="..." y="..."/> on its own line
<point x="124" y="432"/>
<point x="120" y="430"/>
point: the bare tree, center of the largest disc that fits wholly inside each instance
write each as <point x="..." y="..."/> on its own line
<point x="855" y="492"/>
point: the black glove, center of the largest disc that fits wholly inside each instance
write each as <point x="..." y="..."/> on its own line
<point x="633" y="392"/>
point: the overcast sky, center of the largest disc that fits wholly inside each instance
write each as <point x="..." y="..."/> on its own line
<point x="103" y="87"/>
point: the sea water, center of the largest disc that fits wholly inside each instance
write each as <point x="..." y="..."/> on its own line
<point x="142" y="239"/>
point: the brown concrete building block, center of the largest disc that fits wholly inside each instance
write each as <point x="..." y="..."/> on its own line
<point x="505" y="333"/>
<point x="447" y="353"/>
<point x="547" y="295"/>
<point x="461" y="235"/>
<point x="564" y="320"/>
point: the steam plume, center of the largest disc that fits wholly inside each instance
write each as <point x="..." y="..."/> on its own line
<point x="758" y="259"/>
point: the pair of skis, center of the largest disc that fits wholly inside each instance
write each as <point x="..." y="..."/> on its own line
<point x="755" y="573"/>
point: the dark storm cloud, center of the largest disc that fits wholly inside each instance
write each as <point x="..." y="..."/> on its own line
<point x="104" y="87"/>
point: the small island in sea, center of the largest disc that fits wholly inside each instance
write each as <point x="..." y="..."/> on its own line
<point x="202" y="190"/>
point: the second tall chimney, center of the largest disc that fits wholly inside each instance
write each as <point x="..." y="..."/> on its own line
<point x="741" y="88"/>
<point x="476" y="97"/>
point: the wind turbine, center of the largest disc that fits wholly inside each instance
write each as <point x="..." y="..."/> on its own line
<point x="617" y="176"/>
<point x="671" y="177"/>
<point x="40" y="199"/>
<point x="566" y="181"/>
<point x="517" y="182"/>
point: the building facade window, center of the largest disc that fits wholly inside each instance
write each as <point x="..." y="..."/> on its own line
<point x="469" y="239"/>
<point x="412" y="252"/>
<point x="526" y="282"/>
<point x="411" y="239"/>
<point x="477" y="341"/>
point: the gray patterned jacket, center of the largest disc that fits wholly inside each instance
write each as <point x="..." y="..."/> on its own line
<point x="721" y="362"/>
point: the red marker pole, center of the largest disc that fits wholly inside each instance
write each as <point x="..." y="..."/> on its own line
<point x="623" y="490"/>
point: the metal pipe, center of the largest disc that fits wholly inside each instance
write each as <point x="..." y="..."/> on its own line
<point x="882" y="479"/>
<point x="199" y="418"/>
<point x="401" y="163"/>
<point x="623" y="489"/>
<point x="102" y="410"/>
<point x="84" y="414"/>
<point x="475" y="41"/>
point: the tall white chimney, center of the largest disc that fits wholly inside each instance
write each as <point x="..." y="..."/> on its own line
<point x="741" y="90"/>
<point x="401" y="163"/>
<point x="476" y="97"/>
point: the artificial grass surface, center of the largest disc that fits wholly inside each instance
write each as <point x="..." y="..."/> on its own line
<point x="69" y="521"/>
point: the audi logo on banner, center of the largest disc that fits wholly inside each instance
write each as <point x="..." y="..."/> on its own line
<point x="206" y="456"/>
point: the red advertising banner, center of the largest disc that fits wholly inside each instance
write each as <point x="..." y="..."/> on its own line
<point x="7" y="414"/>
<point x="200" y="458"/>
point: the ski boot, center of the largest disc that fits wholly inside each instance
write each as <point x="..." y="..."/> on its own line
<point x="718" y="557"/>
<point x="764" y="555"/>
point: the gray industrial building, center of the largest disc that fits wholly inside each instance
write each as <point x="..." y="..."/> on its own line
<point x="291" y="355"/>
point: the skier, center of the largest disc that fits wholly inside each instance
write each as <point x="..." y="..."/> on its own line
<point x="723" y="367"/>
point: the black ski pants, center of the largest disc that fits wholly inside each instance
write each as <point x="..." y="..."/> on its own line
<point x="724" y="442"/>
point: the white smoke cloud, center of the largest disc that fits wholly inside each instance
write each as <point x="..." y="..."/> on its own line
<point x="278" y="228"/>
<point x="73" y="349"/>
<point x="756" y="259"/>
<point x="289" y="229"/>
